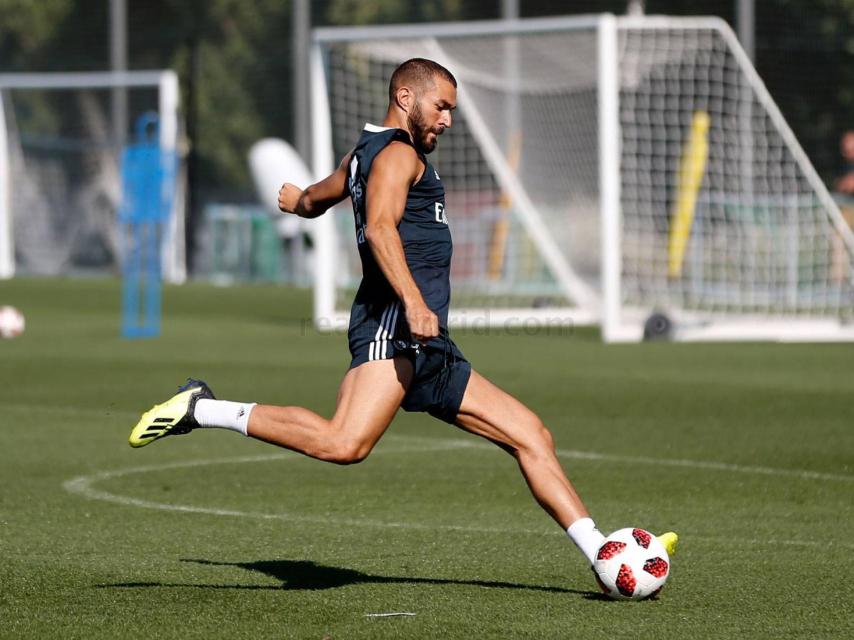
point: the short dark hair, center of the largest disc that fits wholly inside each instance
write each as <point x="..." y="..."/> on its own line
<point x="419" y="72"/>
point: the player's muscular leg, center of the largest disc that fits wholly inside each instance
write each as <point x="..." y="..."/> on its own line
<point x="494" y="414"/>
<point x="368" y="399"/>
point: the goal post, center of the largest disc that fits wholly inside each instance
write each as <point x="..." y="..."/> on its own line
<point x="600" y="170"/>
<point x="60" y="173"/>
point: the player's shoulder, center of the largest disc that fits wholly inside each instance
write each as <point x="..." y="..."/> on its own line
<point x="399" y="157"/>
<point x="398" y="150"/>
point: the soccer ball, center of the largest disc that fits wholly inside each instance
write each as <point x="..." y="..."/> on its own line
<point x="11" y="322"/>
<point x="631" y="565"/>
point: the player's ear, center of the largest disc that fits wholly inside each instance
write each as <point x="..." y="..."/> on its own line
<point x="405" y="98"/>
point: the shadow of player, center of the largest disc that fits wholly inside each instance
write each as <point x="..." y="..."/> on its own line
<point x="305" y="575"/>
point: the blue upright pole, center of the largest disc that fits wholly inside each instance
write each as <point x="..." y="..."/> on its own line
<point x="147" y="177"/>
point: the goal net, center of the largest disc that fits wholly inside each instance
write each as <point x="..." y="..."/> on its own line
<point x="725" y="225"/>
<point x="600" y="169"/>
<point x="61" y="150"/>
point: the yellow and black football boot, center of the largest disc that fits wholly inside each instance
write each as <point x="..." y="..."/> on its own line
<point x="669" y="541"/>
<point x="173" y="417"/>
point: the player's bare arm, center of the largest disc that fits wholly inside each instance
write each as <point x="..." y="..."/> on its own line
<point x="394" y="171"/>
<point x="317" y="199"/>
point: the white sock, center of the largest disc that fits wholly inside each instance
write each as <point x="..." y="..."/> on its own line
<point x="223" y="414"/>
<point x="586" y="536"/>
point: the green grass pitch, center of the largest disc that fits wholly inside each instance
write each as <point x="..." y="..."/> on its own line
<point x="746" y="450"/>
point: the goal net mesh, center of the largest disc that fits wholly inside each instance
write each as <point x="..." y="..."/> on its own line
<point x="65" y="184"/>
<point x="719" y="215"/>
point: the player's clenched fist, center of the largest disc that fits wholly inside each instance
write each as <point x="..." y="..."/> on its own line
<point x="289" y="197"/>
<point x="423" y="323"/>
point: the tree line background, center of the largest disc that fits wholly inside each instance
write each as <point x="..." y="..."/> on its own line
<point x="235" y="64"/>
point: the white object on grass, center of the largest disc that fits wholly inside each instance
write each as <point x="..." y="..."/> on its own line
<point x="12" y="322"/>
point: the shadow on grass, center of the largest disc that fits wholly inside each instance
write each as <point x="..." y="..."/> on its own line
<point x="304" y="575"/>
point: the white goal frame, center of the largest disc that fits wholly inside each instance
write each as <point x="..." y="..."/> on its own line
<point x="166" y="82"/>
<point x="621" y="324"/>
<point x="605" y="306"/>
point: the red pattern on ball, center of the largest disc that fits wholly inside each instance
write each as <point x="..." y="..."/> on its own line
<point x="643" y="538"/>
<point x="610" y="549"/>
<point x="656" y="567"/>
<point x="626" y="582"/>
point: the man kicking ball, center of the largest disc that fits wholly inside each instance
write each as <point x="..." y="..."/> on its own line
<point x="402" y="354"/>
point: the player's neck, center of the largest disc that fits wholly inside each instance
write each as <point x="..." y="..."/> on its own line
<point x="397" y="120"/>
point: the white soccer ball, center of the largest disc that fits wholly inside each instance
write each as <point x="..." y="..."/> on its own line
<point x="11" y="322"/>
<point x="631" y="565"/>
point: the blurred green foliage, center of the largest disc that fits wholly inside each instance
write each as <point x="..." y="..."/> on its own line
<point x="391" y="11"/>
<point x="25" y="26"/>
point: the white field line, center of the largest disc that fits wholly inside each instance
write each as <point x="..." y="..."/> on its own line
<point x="83" y="486"/>
<point x="705" y="465"/>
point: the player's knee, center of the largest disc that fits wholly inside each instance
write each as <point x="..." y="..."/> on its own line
<point x="537" y="439"/>
<point x="546" y="440"/>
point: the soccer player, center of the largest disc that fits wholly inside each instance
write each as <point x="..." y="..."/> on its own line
<point x="402" y="354"/>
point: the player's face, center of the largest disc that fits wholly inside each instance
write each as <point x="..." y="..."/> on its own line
<point x="431" y="114"/>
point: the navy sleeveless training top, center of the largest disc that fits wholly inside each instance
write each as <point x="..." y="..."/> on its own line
<point x="423" y="228"/>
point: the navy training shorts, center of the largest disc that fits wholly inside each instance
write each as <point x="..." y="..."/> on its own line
<point x="441" y="372"/>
